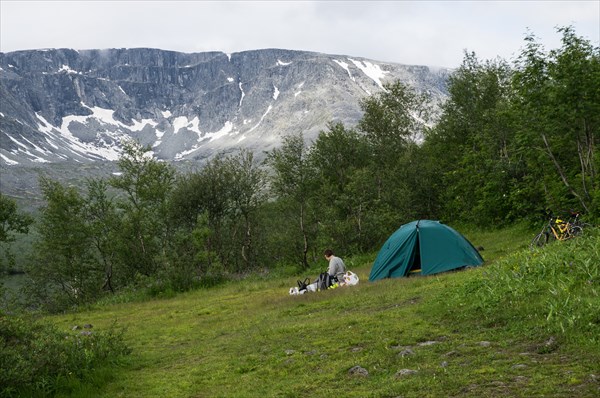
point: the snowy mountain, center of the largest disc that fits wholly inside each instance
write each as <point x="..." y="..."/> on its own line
<point x="62" y="105"/>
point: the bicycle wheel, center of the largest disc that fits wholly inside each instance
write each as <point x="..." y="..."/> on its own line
<point x="575" y="231"/>
<point x="540" y="240"/>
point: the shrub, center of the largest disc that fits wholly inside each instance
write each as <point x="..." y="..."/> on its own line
<point x="555" y="287"/>
<point x="35" y="358"/>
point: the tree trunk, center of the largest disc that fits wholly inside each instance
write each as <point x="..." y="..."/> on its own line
<point x="305" y="238"/>
<point x="562" y="174"/>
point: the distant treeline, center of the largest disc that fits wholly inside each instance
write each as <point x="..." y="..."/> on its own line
<point x="513" y="142"/>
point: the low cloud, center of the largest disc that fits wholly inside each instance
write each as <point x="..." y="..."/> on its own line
<point x="411" y="32"/>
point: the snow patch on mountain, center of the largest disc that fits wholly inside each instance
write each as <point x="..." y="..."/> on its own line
<point x="67" y="69"/>
<point x="8" y="161"/>
<point x="261" y="119"/>
<point x="225" y="130"/>
<point x="344" y="65"/>
<point x="299" y="87"/>
<point x="139" y="126"/>
<point x="243" y="94"/>
<point x="182" y="122"/>
<point x="373" y="71"/>
<point x="103" y="149"/>
<point x="25" y="150"/>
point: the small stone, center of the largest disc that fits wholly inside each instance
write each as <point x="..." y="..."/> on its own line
<point x="485" y="343"/>
<point x="406" y="352"/>
<point x="85" y="333"/>
<point x="356" y="349"/>
<point x="550" y="342"/>
<point x="76" y="327"/>
<point x="444" y="364"/>
<point x="519" y="366"/>
<point x="358" y="371"/>
<point x="427" y="343"/>
<point x="405" y="372"/>
<point x="88" y="326"/>
<point x="290" y="352"/>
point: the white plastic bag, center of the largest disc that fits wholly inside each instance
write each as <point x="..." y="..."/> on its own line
<point x="294" y="291"/>
<point x="312" y="287"/>
<point x="350" y="278"/>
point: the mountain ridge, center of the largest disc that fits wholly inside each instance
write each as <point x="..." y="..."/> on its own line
<point x="76" y="106"/>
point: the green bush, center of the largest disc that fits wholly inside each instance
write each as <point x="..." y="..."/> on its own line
<point x="36" y="358"/>
<point x="554" y="287"/>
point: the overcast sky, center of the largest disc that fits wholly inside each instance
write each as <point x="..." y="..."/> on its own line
<point x="434" y="33"/>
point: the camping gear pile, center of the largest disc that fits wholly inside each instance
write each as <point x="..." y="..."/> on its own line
<point x="324" y="282"/>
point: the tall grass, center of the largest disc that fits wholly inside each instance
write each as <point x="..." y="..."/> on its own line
<point x="555" y="289"/>
<point x="38" y="359"/>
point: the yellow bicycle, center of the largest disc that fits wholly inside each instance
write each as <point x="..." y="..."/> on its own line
<point x="556" y="229"/>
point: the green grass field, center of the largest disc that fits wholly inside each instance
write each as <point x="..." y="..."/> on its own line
<point x="475" y="333"/>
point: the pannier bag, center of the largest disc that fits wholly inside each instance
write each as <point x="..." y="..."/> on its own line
<point x="324" y="281"/>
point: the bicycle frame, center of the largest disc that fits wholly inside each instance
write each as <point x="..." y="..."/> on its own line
<point x="556" y="229"/>
<point x="559" y="229"/>
<point x="562" y="230"/>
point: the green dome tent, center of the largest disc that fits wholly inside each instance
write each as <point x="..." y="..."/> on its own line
<point x="423" y="246"/>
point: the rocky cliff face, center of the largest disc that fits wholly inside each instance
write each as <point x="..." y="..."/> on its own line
<point x="67" y="105"/>
<point x="64" y="111"/>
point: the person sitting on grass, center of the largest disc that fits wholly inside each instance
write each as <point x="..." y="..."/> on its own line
<point x="336" y="268"/>
<point x="333" y="277"/>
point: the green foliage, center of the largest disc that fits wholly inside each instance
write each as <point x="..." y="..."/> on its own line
<point x="473" y="144"/>
<point x="66" y="271"/>
<point x="225" y="197"/>
<point x="294" y="181"/>
<point x="143" y="231"/>
<point x="393" y="122"/>
<point x="11" y="222"/>
<point x="558" y="105"/>
<point x="514" y="140"/>
<point x="555" y="287"/>
<point x="37" y="358"/>
<point x="102" y="219"/>
<point x="340" y="156"/>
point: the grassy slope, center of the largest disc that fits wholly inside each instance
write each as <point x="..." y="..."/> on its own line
<point x="250" y="339"/>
